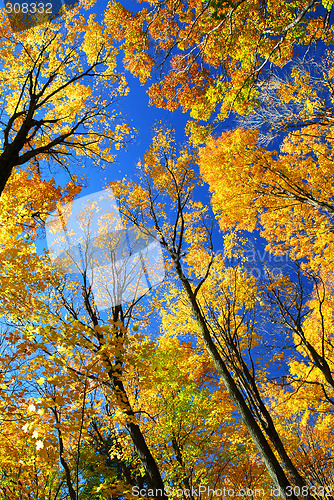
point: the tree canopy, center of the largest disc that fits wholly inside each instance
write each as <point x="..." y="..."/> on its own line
<point x="211" y="373"/>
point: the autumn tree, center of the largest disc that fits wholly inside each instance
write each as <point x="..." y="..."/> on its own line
<point x="288" y="101"/>
<point x="53" y="99"/>
<point x="100" y="395"/>
<point x="226" y="321"/>
<point x="96" y="406"/>
<point x="209" y="56"/>
<point x="287" y="196"/>
<point x="90" y="371"/>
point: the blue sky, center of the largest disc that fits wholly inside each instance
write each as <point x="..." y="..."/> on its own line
<point x="142" y="117"/>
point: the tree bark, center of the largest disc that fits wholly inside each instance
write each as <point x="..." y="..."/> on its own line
<point x="268" y="456"/>
<point x="151" y="468"/>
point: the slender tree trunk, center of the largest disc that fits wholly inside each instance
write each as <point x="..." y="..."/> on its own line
<point x="268" y="426"/>
<point x="151" y="468"/>
<point x="268" y="456"/>
<point x="154" y="479"/>
<point x="63" y="462"/>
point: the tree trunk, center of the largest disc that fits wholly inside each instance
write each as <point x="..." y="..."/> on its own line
<point x="268" y="456"/>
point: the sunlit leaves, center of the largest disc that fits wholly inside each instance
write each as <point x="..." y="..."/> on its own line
<point x="213" y="53"/>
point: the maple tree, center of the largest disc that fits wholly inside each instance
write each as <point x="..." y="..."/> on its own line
<point x="53" y="101"/>
<point x="158" y="408"/>
<point x="287" y="196"/>
<point x="174" y="178"/>
<point x="223" y="301"/>
<point x="92" y="406"/>
<point x="212" y="58"/>
<point x="76" y="361"/>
